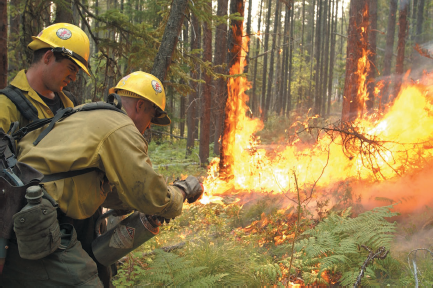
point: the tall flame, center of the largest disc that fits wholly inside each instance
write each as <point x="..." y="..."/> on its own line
<point x="398" y="143"/>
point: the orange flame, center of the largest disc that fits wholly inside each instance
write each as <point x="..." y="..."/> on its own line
<point x="404" y="134"/>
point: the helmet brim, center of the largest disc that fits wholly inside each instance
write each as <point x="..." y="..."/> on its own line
<point x="163" y="121"/>
<point x="37" y="44"/>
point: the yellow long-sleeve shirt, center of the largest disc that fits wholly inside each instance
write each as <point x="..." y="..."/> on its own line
<point x="109" y="141"/>
<point x="9" y="112"/>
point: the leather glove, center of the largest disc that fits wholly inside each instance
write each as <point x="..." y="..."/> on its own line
<point x="192" y="187"/>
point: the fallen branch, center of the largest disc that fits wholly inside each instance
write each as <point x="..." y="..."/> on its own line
<point x="380" y="253"/>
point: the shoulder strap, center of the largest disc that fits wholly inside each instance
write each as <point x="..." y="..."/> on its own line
<point x="68" y="174"/>
<point x="21" y="102"/>
<point x="61" y="114"/>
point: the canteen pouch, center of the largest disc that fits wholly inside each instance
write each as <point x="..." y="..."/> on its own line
<point x="37" y="230"/>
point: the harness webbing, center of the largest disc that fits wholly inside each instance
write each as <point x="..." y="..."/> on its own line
<point x="21" y="102"/>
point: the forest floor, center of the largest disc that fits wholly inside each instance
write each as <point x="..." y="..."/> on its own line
<point x="250" y="244"/>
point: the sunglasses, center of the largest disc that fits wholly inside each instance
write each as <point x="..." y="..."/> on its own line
<point x="159" y="113"/>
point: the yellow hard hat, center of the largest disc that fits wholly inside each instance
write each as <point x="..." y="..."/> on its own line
<point x="144" y="85"/>
<point x="67" y="39"/>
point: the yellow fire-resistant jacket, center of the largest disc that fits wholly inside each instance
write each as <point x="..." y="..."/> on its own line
<point x="109" y="141"/>
<point x="9" y="112"/>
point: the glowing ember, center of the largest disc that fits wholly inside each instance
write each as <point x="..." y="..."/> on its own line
<point x="399" y="142"/>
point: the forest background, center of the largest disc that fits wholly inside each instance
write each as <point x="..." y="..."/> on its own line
<point x="297" y="65"/>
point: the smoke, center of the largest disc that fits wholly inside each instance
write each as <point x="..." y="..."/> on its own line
<point x="411" y="192"/>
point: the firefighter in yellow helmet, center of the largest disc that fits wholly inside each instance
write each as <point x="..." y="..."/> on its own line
<point x="59" y="52"/>
<point x="111" y="145"/>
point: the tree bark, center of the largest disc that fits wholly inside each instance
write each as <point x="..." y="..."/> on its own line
<point x="372" y="36"/>
<point x="206" y="101"/>
<point x="310" y="92"/>
<point x="420" y="20"/>
<point x="3" y="44"/>
<point x="231" y="111"/>
<point x="284" y="67"/>
<point x="332" y="54"/>
<point x="270" y="78"/>
<point x="389" y="48"/>
<point x="402" y="29"/>
<point x="317" y="96"/>
<point x="356" y="43"/>
<point x="292" y="46"/>
<point x="191" y="110"/>
<point x="265" y="63"/>
<point x="64" y="12"/>
<point x="250" y="5"/>
<point x="325" y="61"/>
<point x="221" y="84"/>
<point x="169" y="40"/>
<point x="183" y="98"/>
<point x="254" y="104"/>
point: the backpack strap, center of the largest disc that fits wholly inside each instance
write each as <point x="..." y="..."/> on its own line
<point x="63" y="113"/>
<point x="21" y="102"/>
<point x="68" y="174"/>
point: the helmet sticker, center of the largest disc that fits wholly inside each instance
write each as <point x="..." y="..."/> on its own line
<point x="156" y="86"/>
<point x="64" y="33"/>
<point x="123" y="80"/>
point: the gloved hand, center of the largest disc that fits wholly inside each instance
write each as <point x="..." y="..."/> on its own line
<point x="192" y="187"/>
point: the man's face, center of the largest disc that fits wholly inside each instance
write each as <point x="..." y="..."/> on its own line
<point x="59" y="74"/>
<point x="147" y="112"/>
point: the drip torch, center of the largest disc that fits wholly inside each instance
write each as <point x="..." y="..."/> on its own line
<point x="126" y="236"/>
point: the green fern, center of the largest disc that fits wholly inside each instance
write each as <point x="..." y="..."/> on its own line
<point x="169" y="269"/>
<point x="333" y="245"/>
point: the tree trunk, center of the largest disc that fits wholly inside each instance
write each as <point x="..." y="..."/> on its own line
<point x="372" y="36"/>
<point x="413" y="23"/>
<point x="284" y="67"/>
<point x="402" y="28"/>
<point x="301" y="56"/>
<point x="317" y="96"/>
<point x="420" y="20"/>
<point x="191" y="111"/>
<point x="331" y="60"/>
<point x="310" y="92"/>
<point x="206" y="101"/>
<point x="254" y="104"/>
<point x="183" y="98"/>
<point x="270" y="78"/>
<point x="64" y="12"/>
<point x="250" y="5"/>
<point x="265" y="62"/>
<point x="356" y="43"/>
<point x="221" y="84"/>
<point x="3" y="44"/>
<point x="292" y="46"/>
<point x="327" y="26"/>
<point x="389" y="49"/>
<point x="169" y="40"/>
<point x="231" y="111"/>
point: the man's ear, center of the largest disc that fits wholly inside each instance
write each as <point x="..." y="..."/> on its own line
<point x="47" y="56"/>
<point x="139" y="105"/>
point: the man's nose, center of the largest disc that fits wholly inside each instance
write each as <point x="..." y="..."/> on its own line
<point x="73" y="76"/>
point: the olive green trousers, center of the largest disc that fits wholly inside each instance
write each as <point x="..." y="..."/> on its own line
<point x="69" y="267"/>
